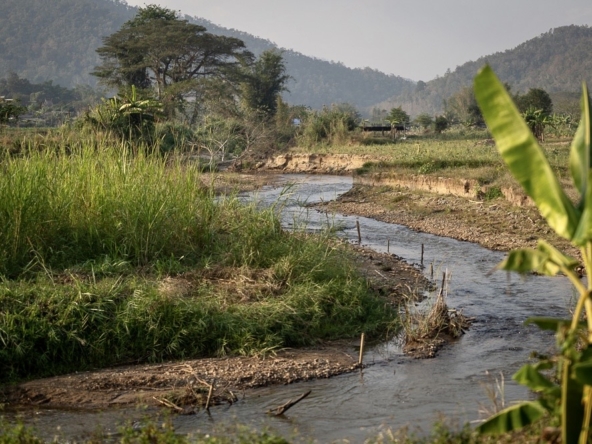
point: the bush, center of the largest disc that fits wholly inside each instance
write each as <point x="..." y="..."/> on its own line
<point x="331" y="125"/>
<point x="170" y="136"/>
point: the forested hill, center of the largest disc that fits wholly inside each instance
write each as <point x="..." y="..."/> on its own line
<point x="56" y="40"/>
<point x="556" y="61"/>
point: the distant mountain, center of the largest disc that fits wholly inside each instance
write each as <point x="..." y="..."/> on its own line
<point x="56" y="40"/>
<point x="556" y="61"/>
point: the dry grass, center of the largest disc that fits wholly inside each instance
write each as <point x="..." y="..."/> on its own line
<point x="428" y="326"/>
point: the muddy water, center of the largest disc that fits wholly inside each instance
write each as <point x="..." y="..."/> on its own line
<point x="396" y="391"/>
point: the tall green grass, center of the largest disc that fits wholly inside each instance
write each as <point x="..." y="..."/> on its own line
<point x="91" y="236"/>
<point x="58" y="209"/>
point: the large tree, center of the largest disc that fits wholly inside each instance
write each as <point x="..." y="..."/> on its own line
<point x="398" y="116"/>
<point x="263" y="82"/>
<point x="462" y="107"/>
<point x="157" y="49"/>
<point x="9" y="110"/>
<point x="537" y="99"/>
<point x="424" y="120"/>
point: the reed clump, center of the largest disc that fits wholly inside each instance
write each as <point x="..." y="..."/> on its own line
<point x="427" y="327"/>
<point x="109" y="257"/>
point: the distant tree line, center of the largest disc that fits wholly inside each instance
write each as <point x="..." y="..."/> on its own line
<point x="44" y="104"/>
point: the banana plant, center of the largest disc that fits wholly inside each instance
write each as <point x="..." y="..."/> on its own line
<point x="537" y="120"/>
<point x="568" y="401"/>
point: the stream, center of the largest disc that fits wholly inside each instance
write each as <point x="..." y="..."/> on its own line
<point x="394" y="390"/>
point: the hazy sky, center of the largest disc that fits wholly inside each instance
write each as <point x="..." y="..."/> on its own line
<point x="416" y="39"/>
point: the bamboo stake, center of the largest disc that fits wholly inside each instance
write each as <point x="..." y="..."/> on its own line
<point x="361" y="358"/>
<point x="359" y="232"/>
<point x="422" y="255"/>
<point x="388" y="245"/>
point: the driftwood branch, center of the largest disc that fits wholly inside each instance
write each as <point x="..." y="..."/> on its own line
<point x="168" y="404"/>
<point x="210" y="394"/>
<point x="284" y="408"/>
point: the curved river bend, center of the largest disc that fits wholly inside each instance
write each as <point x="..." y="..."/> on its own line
<point x="395" y="391"/>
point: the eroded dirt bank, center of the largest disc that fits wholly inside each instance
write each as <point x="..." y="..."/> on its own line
<point x="185" y="385"/>
<point x="314" y="163"/>
<point x="348" y="164"/>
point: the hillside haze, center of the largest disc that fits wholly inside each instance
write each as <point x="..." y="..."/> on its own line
<point x="557" y="61"/>
<point x="56" y="40"/>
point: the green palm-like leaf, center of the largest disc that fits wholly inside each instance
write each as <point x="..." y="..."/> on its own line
<point x="572" y="409"/>
<point x="523" y="155"/>
<point x="582" y="371"/>
<point x="526" y="260"/>
<point x="580" y="163"/>
<point x="579" y="156"/>
<point x="513" y="418"/>
<point x="546" y="260"/>
<point x="529" y="376"/>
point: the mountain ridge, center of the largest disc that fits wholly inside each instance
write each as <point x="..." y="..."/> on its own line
<point x="557" y="61"/>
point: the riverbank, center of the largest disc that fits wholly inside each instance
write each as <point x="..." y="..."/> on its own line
<point x="495" y="224"/>
<point x="501" y="219"/>
<point x="184" y="385"/>
<point x="454" y="185"/>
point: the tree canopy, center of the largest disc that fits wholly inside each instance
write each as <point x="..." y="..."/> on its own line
<point x="398" y="116"/>
<point x="537" y="99"/>
<point x="462" y="107"/>
<point x="424" y="120"/>
<point x="157" y="49"/>
<point x="15" y="87"/>
<point x="9" y="110"/>
<point x="263" y="82"/>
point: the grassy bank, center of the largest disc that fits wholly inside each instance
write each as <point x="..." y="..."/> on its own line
<point x="109" y="258"/>
<point x="466" y="154"/>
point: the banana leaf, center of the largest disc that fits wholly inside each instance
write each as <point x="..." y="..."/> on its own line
<point x="513" y="418"/>
<point x="523" y="155"/>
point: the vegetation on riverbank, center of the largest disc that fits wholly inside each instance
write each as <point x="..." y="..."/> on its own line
<point x="458" y="153"/>
<point x="109" y="258"/>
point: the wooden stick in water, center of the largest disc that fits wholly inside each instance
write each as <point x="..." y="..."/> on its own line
<point x="284" y="408"/>
<point x="361" y="358"/>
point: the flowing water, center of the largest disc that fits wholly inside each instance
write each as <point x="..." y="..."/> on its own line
<point x="394" y="391"/>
